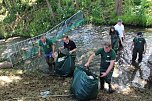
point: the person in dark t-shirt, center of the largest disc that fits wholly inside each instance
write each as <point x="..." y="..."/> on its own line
<point x="139" y="48"/>
<point x="69" y="44"/>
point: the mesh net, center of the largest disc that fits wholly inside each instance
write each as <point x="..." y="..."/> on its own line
<point x="26" y="50"/>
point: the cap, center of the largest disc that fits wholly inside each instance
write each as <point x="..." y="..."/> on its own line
<point x="139" y="33"/>
<point x="119" y="20"/>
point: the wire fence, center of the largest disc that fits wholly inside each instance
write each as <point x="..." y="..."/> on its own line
<point x="27" y="49"/>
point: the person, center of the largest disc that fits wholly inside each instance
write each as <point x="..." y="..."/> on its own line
<point x="114" y="38"/>
<point x="49" y="49"/>
<point x="69" y="44"/>
<point x="140" y="46"/>
<point x="120" y="28"/>
<point x="108" y="56"/>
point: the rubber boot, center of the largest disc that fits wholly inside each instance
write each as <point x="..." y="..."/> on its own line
<point x="102" y="83"/>
<point x="110" y="90"/>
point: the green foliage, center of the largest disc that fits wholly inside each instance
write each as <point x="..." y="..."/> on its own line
<point x="96" y="15"/>
<point x="10" y="18"/>
<point x="30" y="18"/>
<point x="40" y="22"/>
<point x="137" y="2"/>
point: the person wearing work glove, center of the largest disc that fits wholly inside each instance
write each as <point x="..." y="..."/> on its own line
<point x="140" y="46"/>
<point x="108" y="57"/>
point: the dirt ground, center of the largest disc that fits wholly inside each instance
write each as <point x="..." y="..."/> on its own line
<point x="19" y="85"/>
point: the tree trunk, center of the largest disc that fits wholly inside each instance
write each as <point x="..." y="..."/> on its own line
<point x="118" y="6"/>
<point x="59" y="3"/>
<point x="50" y="10"/>
<point x="77" y="4"/>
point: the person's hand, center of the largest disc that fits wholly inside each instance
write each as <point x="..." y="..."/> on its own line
<point x="60" y="48"/>
<point x="87" y="64"/>
<point x="53" y="54"/>
<point x="70" y="52"/>
<point x="103" y="74"/>
<point x="39" y="54"/>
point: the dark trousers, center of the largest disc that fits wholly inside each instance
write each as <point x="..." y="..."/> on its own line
<point x="103" y="80"/>
<point x="134" y="55"/>
<point x="120" y="45"/>
<point x="50" y="62"/>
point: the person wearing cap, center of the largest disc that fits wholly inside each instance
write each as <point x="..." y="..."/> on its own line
<point x="108" y="57"/>
<point x="139" y="48"/>
<point x="120" y="28"/>
<point x="49" y="49"/>
<point x="114" y="38"/>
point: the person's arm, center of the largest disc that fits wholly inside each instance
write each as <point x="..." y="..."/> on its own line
<point x="74" y="47"/>
<point x="39" y="51"/>
<point x="124" y="32"/>
<point x="121" y="40"/>
<point x="145" y="47"/>
<point x="74" y="50"/>
<point x="53" y="50"/>
<point x="109" y="68"/>
<point x="132" y="45"/>
<point x="90" y="59"/>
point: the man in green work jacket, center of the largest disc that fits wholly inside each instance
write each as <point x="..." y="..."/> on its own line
<point x="108" y="56"/>
<point x="48" y="48"/>
<point x="140" y="46"/>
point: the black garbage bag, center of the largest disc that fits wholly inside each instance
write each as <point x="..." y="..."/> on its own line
<point x="65" y="64"/>
<point x="85" y="84"/>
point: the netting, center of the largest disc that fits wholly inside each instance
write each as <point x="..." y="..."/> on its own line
<point x="27" y="49"/>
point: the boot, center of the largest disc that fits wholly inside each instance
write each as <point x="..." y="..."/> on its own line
<point x="50" y="67"/>
<point x="110" y="90"/>
<point x="102" y="83"/>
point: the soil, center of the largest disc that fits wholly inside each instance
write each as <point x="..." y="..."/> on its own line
<point x="19" y="85"/>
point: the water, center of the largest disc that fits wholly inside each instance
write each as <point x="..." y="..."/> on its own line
<point x="90" y="38"/>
